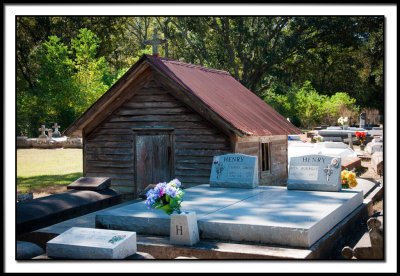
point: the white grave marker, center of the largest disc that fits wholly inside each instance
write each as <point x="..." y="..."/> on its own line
<point x="234" y="171"/>
<point x="315" y="172"/>
<point x="184" y="229"/>
<point x="92" y="243"/>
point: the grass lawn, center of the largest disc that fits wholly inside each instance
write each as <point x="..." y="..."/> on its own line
<point x="41" y="169"/>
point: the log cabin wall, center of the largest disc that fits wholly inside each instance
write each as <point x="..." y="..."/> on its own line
<point x="109" y="150"/>
<point x="277" y="172"/>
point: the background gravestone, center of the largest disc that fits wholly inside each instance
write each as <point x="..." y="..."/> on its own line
<point x="315" y="172"/>
<point x="234" y="171"/>
<point x="56" y="131"/>
<point x="90" y="183"/>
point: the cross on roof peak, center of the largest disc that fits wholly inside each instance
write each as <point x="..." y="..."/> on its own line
<point x="155" y="41"/>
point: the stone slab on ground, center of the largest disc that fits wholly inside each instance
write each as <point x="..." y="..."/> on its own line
<point x="267" y="215"/>
<point x="90" y="183"/>
<point x="41" y="212"/>
<point x="351" y="163"/>
<point x="365" y="185"/>
<point x="27" y="250"/>
<point x="377" y="162"/>
<point x="90" y="243"/>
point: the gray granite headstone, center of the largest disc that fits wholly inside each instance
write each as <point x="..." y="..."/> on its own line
<point x="90" y="183"/>
<point x="315" y="172"/>
<point x="91" y="243"/>
<point x="234" y="171"/>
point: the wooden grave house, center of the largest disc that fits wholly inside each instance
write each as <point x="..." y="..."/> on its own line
<point x="166" y="119"/>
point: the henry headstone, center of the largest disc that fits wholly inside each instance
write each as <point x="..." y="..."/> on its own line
<point x="315" y="172"/>
<point x="234" y="171"/>
<point x="92" y="243"/>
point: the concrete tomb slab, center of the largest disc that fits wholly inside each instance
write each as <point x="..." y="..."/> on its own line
<point x="314" y="172"/>
<point x="90" y="183"/>
<point x="234" y="171"/>
<point x="41" y="212"/>
<point x="89" y="243"/>
<point x="27" y="250"/>
<point x="267" y="215"/>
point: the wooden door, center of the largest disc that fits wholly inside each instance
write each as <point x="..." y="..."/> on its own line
<point x="153" y="160"/>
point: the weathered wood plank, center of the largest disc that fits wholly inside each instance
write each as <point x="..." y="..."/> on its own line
<point x="194" y="159"/>
<point x="199" y="131"/>
<point x="110" y="164"/>
<point x="193" y="166"/>
<point x="111" y="138"/>
<point x="186" y="145"/>
<point x="122" y="182"/>
<point x="148" y="97"/>
<point x="112" y="170"/>
<point x="99" y="157"/>
<point x="193" y="172"/>
<point x="201" y="152"/>
<point x="248" y="144"/>
<point x="178" y="125"/>
<point x="105" y="144"/>
<point x="111" y="175"/>
<point x="193" y="179"/>
<point x="201" y="138"/>
<point x="153" y="104"/>
<point x="153" y="111"/>
<point x="156" y="118"/>
<point x="115" y="151"/>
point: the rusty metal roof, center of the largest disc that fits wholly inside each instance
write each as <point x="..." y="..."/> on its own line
<point x="226" y="97"/>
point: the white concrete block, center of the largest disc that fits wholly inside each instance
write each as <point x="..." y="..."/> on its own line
<point x="184" y="229"/>
<point x="90" y="243"/>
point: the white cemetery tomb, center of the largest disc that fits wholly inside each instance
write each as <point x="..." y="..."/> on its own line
<point x="260" y="214"/>
<point x="90" y="243"/>
<point x="334" y="149"/>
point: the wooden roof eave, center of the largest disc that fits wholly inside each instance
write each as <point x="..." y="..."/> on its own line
<point x="107" y="103"/>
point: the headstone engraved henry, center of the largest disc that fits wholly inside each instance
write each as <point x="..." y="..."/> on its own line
<point x="234" y="171"/>
<point x="315" y="172"/>
<point x="92" y="243"/>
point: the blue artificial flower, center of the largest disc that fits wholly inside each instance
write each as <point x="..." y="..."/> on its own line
<point x="175" y="182"/>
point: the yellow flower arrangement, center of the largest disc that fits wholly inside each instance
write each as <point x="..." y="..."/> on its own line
<point x="348" y="179"/>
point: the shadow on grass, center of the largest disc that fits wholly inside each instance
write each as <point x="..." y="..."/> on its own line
<point x="45" y="181"/>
